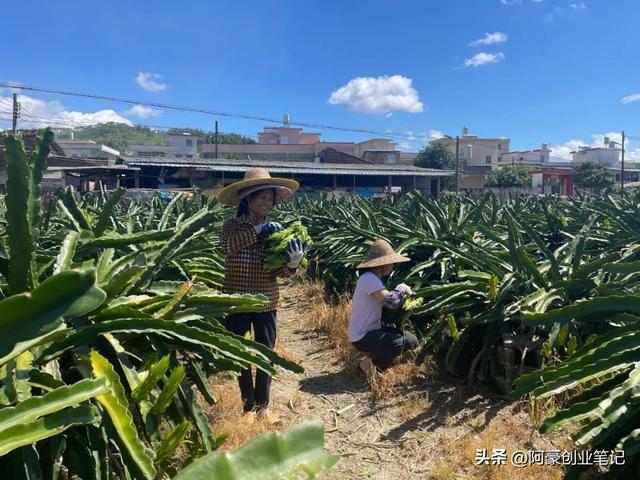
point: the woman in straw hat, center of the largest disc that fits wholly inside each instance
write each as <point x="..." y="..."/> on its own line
<point x="243" y="241"/>
<point x="366" y="333"/>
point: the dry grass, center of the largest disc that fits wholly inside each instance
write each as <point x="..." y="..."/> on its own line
<point x="332" y="320"/>
<point x="386" y="384"/>
<point x="511" y="432"/>
<point x="225" y="416"/>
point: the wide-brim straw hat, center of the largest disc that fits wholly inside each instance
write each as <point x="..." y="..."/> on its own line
<point x="381" y="253"/>
<point x="256" y="179"/>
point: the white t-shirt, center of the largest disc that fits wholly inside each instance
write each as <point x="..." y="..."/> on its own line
<point x="366" y="311"/>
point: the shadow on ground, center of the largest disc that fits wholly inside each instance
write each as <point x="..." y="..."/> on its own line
<point x="333" y="383"/>
<point x="451" y="405"/>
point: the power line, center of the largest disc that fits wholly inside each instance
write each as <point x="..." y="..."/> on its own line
<point x="412" y="137"/>
<point x="206" y="111"/>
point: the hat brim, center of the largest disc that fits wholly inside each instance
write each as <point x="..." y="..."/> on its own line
<point x="233" y="194"/>
<point x="384" y="260"/>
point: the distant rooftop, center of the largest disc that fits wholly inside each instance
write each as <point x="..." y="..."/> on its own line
<point x="228" y="165"/>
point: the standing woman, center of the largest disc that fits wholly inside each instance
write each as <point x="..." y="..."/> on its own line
<point x="243" y="241"/>
<point x="381" y="344"/>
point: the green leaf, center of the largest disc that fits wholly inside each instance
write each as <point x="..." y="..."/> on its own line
<point x="225" y="345"/>
<point x="298" y="453"/>
<point x="64" y="259"/>
<point x="45" y="427"/>
<point x="26" y="316"/>
<point x="186" y="233"/>
<point x="19" y="220"/>
<point x="172" y="441"/>
<point x="107" y="210"/>
<point x="199" y="377"/>
<point x="154" y="374"/>
<point x="169" y="390"/>
<point x="596" y="306"/>
<point x="51" y="402"/>
<point x="115" y="403"/>
<point x="119" y="241"/>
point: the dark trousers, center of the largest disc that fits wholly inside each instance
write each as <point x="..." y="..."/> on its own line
<point x="264" y="329"/>
<point x="385" y="344"/>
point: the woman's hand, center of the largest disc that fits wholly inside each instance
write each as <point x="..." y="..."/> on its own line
<point x="295" y="252"/>
<point x="404" y="289"/>
<point x="268" y="228"/>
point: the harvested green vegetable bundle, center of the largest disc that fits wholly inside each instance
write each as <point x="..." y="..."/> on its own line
<point x="398" y="315"/>
<point x="275" y="256"/>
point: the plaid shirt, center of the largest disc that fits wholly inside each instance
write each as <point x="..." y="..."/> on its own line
<point x="243" y="271"/>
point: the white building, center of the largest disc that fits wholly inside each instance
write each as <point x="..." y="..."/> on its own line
<point x="179" y="145"/>
<point x="88" y="149"/>
<point x="609" y="157"/>
<point x="526" y="157"/>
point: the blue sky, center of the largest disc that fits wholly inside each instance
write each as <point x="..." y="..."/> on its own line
<point x="560" y="72"/>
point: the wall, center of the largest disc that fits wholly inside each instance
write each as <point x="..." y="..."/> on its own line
<point x="480" y="149"/>
<point x="609" y="157"/>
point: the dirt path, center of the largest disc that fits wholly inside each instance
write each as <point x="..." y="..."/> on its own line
<point x="429" y="427"/>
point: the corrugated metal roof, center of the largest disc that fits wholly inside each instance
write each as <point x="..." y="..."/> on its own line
<point x="227" y="165"/>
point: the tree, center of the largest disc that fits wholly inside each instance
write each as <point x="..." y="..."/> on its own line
<point x="512" y="176"/>
<point x="436" y="156"/>
<point x="593" y="175"/>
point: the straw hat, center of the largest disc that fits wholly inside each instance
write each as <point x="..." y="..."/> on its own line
<point x="381" y="253"/>
<point x="256" y="179"/>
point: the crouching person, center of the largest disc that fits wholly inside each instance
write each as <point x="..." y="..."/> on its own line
<point x="381" y="343"/>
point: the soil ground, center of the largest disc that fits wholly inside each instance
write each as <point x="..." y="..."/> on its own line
<point x="424" y="424"/>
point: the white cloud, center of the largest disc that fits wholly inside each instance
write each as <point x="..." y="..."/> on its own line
<point x="146" y="81"/>
<point x="435" y="134"/>
<point x="489" y="39"/>
<point x="143" y="112"/>
<point x="563" y="151"/>
<point x="483" y="58"/>
<point x="635" y="97"/>
<point x="559" y="11"/>
<point x="37" y="113"/>
<point x="378" y="95"/>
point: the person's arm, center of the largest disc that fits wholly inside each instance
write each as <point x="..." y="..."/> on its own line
<point x="236" y="235"/>
<point x="391" y="298"/>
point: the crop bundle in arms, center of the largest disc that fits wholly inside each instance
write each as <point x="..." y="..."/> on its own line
<point x="275" y="256"/>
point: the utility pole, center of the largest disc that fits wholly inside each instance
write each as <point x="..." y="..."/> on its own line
<point x="215" y="139"/>
<point x="16" y="113"/>
<point x="457" y="163"/>
<point x="622" y="167"/>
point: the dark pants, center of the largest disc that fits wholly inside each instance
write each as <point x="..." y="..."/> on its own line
<point x="264" y="329"/>
<point x="385" y="344"/>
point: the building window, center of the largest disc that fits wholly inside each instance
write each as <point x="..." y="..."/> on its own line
<point x="487" y="159"/>
<point x="542" y="158"/>
<point x="499" y="146"/>
<point x="178" y="155"/>
<point x="189" y="142"/>
<point x="189" y="156"/>
<point x="284" y="140"/>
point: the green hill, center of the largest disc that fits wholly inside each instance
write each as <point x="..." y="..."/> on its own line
<point x="120" y="136"/>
